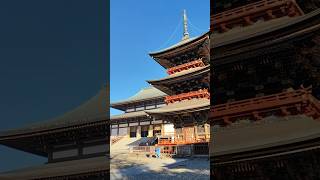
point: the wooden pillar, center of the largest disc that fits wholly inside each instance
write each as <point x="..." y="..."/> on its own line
<point x="195" y="132"/>
<point x="206" y="131"/>
<point x="128" y="131"/>
<point x="150" y="131"/>
<point x="162" y="129"/>
<point x="138" y="133"/>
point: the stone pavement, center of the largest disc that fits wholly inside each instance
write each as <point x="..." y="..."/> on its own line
<point x="152" y="168"/>
<point x="125" y="166"/>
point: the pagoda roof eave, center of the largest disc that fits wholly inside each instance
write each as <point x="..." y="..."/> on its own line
<point x="184" y="106"/>
<point x="177" y="45"/>
<point x="182" y="74"/>
<point x="178" y="77"/>
<point x="258" y="29"/>
<point x="265" y="135"/>
<point x="183" y="46"/>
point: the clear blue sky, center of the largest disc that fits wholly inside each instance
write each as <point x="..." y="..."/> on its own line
<point x="139" y="27"/>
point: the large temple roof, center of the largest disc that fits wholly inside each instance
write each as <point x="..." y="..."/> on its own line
<point x="60" y="169"/>
<point x="271" y="132"/>
<point x="195" y="104"/>
<point x="94" y="110"/>
<point x="257" y="29"/>
<point x="143" y="95"/>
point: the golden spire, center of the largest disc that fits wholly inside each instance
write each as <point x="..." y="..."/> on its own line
<point x="185" y="26"/>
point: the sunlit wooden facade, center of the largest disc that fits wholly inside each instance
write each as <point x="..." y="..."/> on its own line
<point x="265" y="110"/>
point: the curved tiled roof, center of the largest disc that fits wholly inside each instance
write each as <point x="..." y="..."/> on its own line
<point x="91" y="111"/>
<point x="265" y="134"/>
<point x="259" y="28"/>
<point x="185" y="45"/>
<point x="175" y="45"/>
<point x="183" y="73"/>
<point x="129" y="115"/>
<point x="165" y="83"/>
<point x="194" y="104"/>
<point x="144" y="94"/>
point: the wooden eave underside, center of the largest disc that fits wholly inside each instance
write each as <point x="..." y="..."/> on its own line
<point x="164" y="84"/>
<point x="123" y="105"/>
<point x="52" y="131"/>
<point x="279" y="135"/>
<point x="264" y="153"/>
<point x="84" y="168"/>
<point x="181" y="48"/>
<point x="266" y="41"/>
<point x="186" y="106"/>
<point x="161" y="57"/>
<point x="21" y="141"/>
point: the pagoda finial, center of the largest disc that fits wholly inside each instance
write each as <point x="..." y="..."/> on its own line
<point x="185" y="26"/>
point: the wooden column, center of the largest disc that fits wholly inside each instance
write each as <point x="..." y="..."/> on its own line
<point x="138" y="132"/>
<point x="195" y="132"/>
<point x="150" y="131"/>
<point x="118" y="129"/>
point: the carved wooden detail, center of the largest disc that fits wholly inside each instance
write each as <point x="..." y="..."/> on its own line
<point x="186" y="66"/>
<point x="250" y="13"/>
<point x="202" y="93"/>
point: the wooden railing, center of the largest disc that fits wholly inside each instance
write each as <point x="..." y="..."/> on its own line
<point x="115" y="139"/>
<point x="202" y="93"/>
<point x="142" y="149"/>
<point x="298" y="102"/>
<point x="186" y="66"/>
<point x="248" y="14"/>
<point x="176" y="141"/>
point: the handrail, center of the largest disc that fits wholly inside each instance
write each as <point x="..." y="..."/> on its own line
<point x="186" y="66"/>
<point x="259" y="100"/>
<point x="299" y="102"/>
<point x="202" y="93"/>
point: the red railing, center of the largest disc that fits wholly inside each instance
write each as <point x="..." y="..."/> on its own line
<point x="202" y="93"/>
<point x="186" y="66"/>
<point x="300" y="101"/>
<point x="176" y="141"/>
<point x="142" y="149"/>
<point x="115" y="139"/>
<point x="246" y="15"/>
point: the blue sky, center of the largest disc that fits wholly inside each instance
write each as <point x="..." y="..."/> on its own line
<point x="139" y="27"/>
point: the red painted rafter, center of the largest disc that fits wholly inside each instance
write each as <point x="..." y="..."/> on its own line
<point x="186" y="66"/>
<point x="202" y="93"/>
<point x="300" y="101"/>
